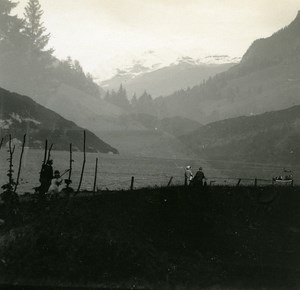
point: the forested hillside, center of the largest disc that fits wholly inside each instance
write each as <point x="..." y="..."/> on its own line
<point x="272" y="137"/>
<point x="184" y="73"/>
<point x="266" y="79"/>
<point x="20" y="115"/>
<point x="27" y="64"/>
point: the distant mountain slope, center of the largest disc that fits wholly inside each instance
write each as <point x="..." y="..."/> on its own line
<point x="20" y="114"/>
<point x="166" y="80"/>
<point x="152" y="137"/>
<point x="147" y="143"/>
<point x="267" y="78"/>
<point x="175" y="126"/>
<point x="270" y="137"/>
<point x="86" y="110"/>
<point x="282" y="45"/>
<point x="131" y="134"/>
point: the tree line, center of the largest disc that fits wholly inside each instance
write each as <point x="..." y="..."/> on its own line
<point x="27" y="63"/>
<point x="140" y="104"/>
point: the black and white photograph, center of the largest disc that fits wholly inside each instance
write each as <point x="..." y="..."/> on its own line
<point x="150" y="144"/>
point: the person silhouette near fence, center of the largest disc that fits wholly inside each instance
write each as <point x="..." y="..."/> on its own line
<point x="188" y="176"/>
<point x="46" y="176"/>
<point x="55" y="184"/>
<point x="65" y="189"/>
<point x="199" y="180"/>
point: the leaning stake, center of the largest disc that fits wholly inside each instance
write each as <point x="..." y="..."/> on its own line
<point x="10" y="171"/>
<point x="71" y="161"/>
<point x="45" y="152"/>
<point x="20" y="163"/>
<point x="83" y="164"/>
<point x="1" y="142"/>
<point x="170" y="181"/>
<point x="95" y="179"/>
<point x="49" y="152"/>
<point x="132" y="183"/>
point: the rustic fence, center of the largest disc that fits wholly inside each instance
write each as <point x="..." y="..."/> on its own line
<point x="136" y="182"/>
<point x="94" y="176"/>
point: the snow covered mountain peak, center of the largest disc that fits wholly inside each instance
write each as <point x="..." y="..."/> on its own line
<point x="209" y="60"/>
<point x="151" y="62"/>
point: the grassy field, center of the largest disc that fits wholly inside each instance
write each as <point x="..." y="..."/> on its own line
<point x="160" y="238"/>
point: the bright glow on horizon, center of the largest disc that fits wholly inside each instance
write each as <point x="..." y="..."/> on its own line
<point x="108" y="34"/>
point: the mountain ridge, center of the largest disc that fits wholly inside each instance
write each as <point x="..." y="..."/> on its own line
<point x="159" y="81"/>
<point x="269" y="137"/>
<point x="267" y="78"/>
<point x="20" y="114"/>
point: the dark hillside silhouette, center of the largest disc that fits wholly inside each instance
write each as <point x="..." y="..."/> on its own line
<point x="27" y="64"/>
<point x="281" y="46"/>
<point x="20" y="114"/>
<point x="272" y="137"/>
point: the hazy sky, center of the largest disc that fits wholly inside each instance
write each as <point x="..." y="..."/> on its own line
<point x="108" y="34"/>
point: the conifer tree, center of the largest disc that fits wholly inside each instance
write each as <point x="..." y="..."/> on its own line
<point x="107" y="96"/>
<point x="12" y="45"/>
<point x="9" y="24"/>
<point x="145" y="104"/>
<point x="39" y="58"/>
<point x="34" y="27"/>
<point x="134" y="101"/>
<point x="122" y="99"/>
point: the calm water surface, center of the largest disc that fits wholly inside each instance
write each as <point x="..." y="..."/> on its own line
<point x="115" y="171"/>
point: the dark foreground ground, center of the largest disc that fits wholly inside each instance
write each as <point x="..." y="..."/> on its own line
<point x="163" y="238"/>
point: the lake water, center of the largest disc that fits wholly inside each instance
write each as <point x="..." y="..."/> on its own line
<point x="115" y="171"/>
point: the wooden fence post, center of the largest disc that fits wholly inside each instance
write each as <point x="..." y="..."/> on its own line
<point x="84" y="160"/>
<point x="71" y="161"/>
<point x="49" y="152"/>
<point x="20" y="164"/>
<point x="132" y="183"/>
<point x="45" y="152"/>
<point x="1" y="142"/>
<point x="170" y="181"/>
<point x="255" y="182"/>
<point x="10" y="171"/>
<point x="95" y="179"/>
